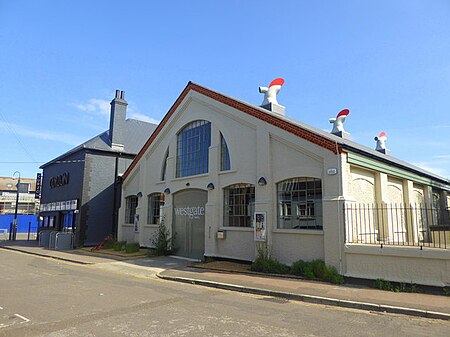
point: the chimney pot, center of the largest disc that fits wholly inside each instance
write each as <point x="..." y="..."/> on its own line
<point x="122" y="95"/>
<point x="117" y="93"/>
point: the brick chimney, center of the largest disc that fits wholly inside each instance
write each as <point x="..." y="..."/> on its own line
<point x="117" y="121"/>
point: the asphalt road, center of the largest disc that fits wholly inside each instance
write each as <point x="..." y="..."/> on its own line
<point x="43" y="297"/>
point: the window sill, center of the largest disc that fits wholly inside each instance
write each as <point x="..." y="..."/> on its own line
<point x="236" y="229"/>
<point x="151" y="226"/>
<point x="191" y="177"/>
<point x="299" y="231"/>
<point x="128" y="225"/>
<point x="227" y="172"/>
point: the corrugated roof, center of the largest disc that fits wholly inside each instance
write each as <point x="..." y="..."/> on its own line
<point x="136" y="134"/>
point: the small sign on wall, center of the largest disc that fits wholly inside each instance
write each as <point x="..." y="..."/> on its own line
<point x="260" y="226"/>
<point x="136" y="222"/>
<point x="37" y="193"/>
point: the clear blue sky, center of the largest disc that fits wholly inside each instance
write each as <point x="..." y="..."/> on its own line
<point x="386" y="61"/>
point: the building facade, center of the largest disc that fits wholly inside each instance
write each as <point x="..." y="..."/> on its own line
<point x="79" y="188"/>
<point x="28" y="203"/>
<point x="228" y="178"/>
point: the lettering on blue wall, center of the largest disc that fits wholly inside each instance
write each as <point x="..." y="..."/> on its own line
<point x="61" y="180"/>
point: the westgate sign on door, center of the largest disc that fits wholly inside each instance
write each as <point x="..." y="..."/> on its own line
<point x="192" y="212"/>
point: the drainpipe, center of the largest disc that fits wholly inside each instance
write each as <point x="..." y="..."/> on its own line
<point x="340" y="197"/>
<point x="114" y="213"/>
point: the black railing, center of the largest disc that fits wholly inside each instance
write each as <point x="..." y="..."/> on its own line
<point x="397" y="224"/>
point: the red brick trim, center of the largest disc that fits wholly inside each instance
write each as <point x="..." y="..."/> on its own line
<point x="157" y="130"/>
<point x="282" y="124"/>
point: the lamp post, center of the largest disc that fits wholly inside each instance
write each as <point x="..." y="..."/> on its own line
<point x="14" y="229"/>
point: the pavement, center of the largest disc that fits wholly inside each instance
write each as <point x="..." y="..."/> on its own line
<point x="180" y="270"/>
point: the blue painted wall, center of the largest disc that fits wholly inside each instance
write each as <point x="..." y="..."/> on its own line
<point x="23" y="220"/>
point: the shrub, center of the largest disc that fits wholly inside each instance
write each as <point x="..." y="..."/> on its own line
<point x="276" y="267"/>
<point x="298" y="268"/>
<point x="269" y="266"/>
<point x="259" y="265"/>
<point x="161" y="240"/>
<point x="108" y="244"/>
<point x="264" y="263"/>
<point x="131" y="248"/>
<point x="119" y="245"/>
<point x="383" y="284"/>
<point x="309" y="272"/>
<point x="332" y="275"/>
<point x="319" y="269"/>
<point x="406" y="288"/>
<point x="316" y="270"/>
<point x="399" y="287"/>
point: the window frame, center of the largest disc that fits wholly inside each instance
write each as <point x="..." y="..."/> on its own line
<point x="23" y="187"/>
<point x="131" y="203"/>
<point x="241" y="211"/>
<point x="153" y="212"/>
<point x="225" y="162"/>
<point x="193" y="143"/>
<point x="164" y="166"/>
<point x="300" y="204"/>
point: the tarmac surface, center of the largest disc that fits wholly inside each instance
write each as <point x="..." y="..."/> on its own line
<point x="180" y="270"/>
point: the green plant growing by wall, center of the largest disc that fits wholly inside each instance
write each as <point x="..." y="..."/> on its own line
<point x="383" y="284"/>
<point x="316" y="270"/>
<point x="398" y="287"/>
<point x="407" y="288"/>
<point x="161" y="240"/>
<point x="131" y="248"/>
<point x="119" y="245"/>
<point x="264" y="263"/>
<point x="109" y="243"/>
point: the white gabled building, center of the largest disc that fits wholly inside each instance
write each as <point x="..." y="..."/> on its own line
<point x="224" y="173"/>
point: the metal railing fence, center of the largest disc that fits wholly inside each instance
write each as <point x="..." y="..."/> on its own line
<point x="397" y="224"/>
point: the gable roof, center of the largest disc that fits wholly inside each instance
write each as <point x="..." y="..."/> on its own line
<point x="314" y="135"/>
<point x="136" y="133"/>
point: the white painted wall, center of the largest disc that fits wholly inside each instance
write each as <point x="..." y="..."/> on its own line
<point x="256" y="149"/>
<point x="429" y="266"/>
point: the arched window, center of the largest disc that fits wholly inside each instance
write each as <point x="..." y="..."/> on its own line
<point x="193" y="149"/>
<point x="300" y="203"/>
<point x="239" y="205"/>
<point x="224" y="155"/>
<point x="155" y="202"/>
<point x="164" y="167"/>
<point x="130" y="208"/>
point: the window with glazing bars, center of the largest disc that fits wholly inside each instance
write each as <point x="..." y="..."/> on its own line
<point x="155" y="202"/>
<point x="193" y="144"/>
<point x="239" y="205"/>
<point x="224" y="155"/>
<point x="300" y="203"/>
<point x="164" y="167"/>
<point x="130" y="208"/>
